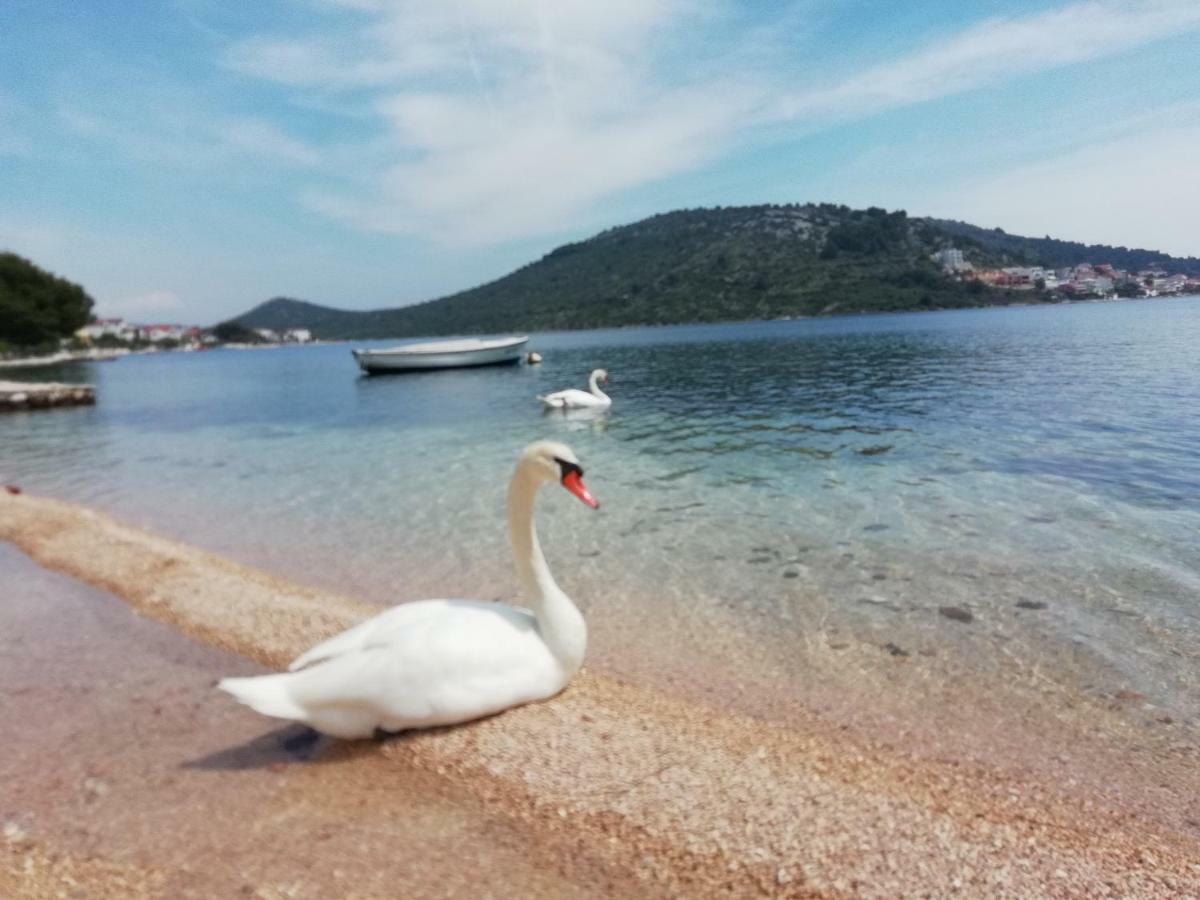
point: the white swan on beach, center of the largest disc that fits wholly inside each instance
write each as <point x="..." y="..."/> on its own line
<point x="592" y="398"/>
<point x="437" y="662"/>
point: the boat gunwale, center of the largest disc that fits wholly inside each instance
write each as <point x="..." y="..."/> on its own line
<point x="496" y="344"/>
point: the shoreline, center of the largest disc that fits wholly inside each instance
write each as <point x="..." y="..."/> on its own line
<point x="691" y="799"/>
<point x="110" y="354"/>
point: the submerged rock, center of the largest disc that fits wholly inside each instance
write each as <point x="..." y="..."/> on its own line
<point x="883" y="602"/>
<point x="1030" y="604"/>
<point x="957" y="613"/>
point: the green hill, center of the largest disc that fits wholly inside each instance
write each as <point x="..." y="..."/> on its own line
<point x="702" y="265"/>
<point x="36" y="307"/>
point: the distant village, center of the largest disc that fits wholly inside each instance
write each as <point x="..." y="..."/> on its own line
<point x="115" y="333"/>
<point x="1085" y="281"/>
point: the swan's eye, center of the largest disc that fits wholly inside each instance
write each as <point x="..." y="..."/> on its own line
<point x="566" y="468"/>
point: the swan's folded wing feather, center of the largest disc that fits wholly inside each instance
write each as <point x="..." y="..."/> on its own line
<point x="569" y="397"/>
<point x="374" y="630"/>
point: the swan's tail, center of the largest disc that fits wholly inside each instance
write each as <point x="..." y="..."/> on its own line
<point x="267" y="694"/>
<point x="552" y="402"/>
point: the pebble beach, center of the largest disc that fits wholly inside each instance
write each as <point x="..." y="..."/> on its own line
<point x="163" y="788"/>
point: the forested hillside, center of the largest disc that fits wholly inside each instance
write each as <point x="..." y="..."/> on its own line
<point x="36" y="307"/>
<point x="707" y="265"/>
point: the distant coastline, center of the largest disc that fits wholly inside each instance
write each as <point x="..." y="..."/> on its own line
<point x="110" y="354"/>
<point x="757" y="263"/>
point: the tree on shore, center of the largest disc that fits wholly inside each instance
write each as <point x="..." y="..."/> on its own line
<point x="232" y="332"/>
<point x="36" y="307"/>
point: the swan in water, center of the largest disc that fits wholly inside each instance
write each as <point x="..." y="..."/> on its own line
<point x="592" y="398"/>
<point x="437" y="662"/>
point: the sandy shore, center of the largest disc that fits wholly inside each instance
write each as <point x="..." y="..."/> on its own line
<point x="612" y="789"/>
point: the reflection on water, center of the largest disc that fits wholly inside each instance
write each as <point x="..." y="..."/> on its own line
<point x="854" y="475"/>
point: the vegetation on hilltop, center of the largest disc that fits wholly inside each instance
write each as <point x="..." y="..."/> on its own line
<point x="702" y="265"/>
<point x="36" y="307"/>
<point x="234" y="332"/>
<point x="1053" y="253"/>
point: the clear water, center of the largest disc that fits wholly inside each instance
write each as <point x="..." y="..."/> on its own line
<point x="815" y="482"/>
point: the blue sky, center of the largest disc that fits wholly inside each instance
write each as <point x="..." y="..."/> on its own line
<point x="186" y="159"/>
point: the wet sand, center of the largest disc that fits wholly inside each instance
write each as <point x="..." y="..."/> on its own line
<point x="132" y="777"/>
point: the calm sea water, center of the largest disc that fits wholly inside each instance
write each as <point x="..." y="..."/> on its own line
<point x="844" y="478"/>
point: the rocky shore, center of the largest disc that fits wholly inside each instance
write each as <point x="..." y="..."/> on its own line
<point x="610" y="787"/>
<point x="17" y="395"/>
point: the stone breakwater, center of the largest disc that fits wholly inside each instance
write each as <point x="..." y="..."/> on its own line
<point x="685" y="800"/>
<point x="95" y="354"/>
<point x="15" y="395"/>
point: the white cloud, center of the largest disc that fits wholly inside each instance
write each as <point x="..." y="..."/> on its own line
<point x="155" y="304"/>
<point x="260" y="138"/>
<point x="503" y="119"/>
<point x="309" y="63"/>
<point x="534" y="178"/>
<point x="994" y="50"/>
<point x="1138" y="191"/>
<point x="174" y="133"/>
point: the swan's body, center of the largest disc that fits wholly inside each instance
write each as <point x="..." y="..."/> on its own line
<point x="437" y="662"/>
<point x="592" y="398"/>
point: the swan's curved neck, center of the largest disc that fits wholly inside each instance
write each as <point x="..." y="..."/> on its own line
<point x="561" y="624"/>
<point x="594" y="386"/>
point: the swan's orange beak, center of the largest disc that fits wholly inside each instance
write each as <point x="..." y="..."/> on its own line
<point x="574" y="483"/>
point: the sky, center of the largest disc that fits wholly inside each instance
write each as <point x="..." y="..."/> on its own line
<point x="185" y="160"/>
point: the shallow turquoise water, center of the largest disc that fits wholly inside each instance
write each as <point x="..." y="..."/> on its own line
<point x="842" y="476"/>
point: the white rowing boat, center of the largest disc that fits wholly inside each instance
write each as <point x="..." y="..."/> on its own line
<point x="453" y="354"/>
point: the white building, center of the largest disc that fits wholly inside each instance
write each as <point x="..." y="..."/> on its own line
<point x="952" y="260"/>
<point x="158" y="333"/>
<point x="117" y="328"/>
<point x="297" y="335"/>
<point x="1172" y="284"/>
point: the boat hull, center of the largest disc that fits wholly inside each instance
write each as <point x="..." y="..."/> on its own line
<point x="453" y="355"/>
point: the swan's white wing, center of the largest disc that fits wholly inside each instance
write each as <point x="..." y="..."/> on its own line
<point x="569" y="397"/>
<point x="467" y="661"/>
<point x="374" y="630"/>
